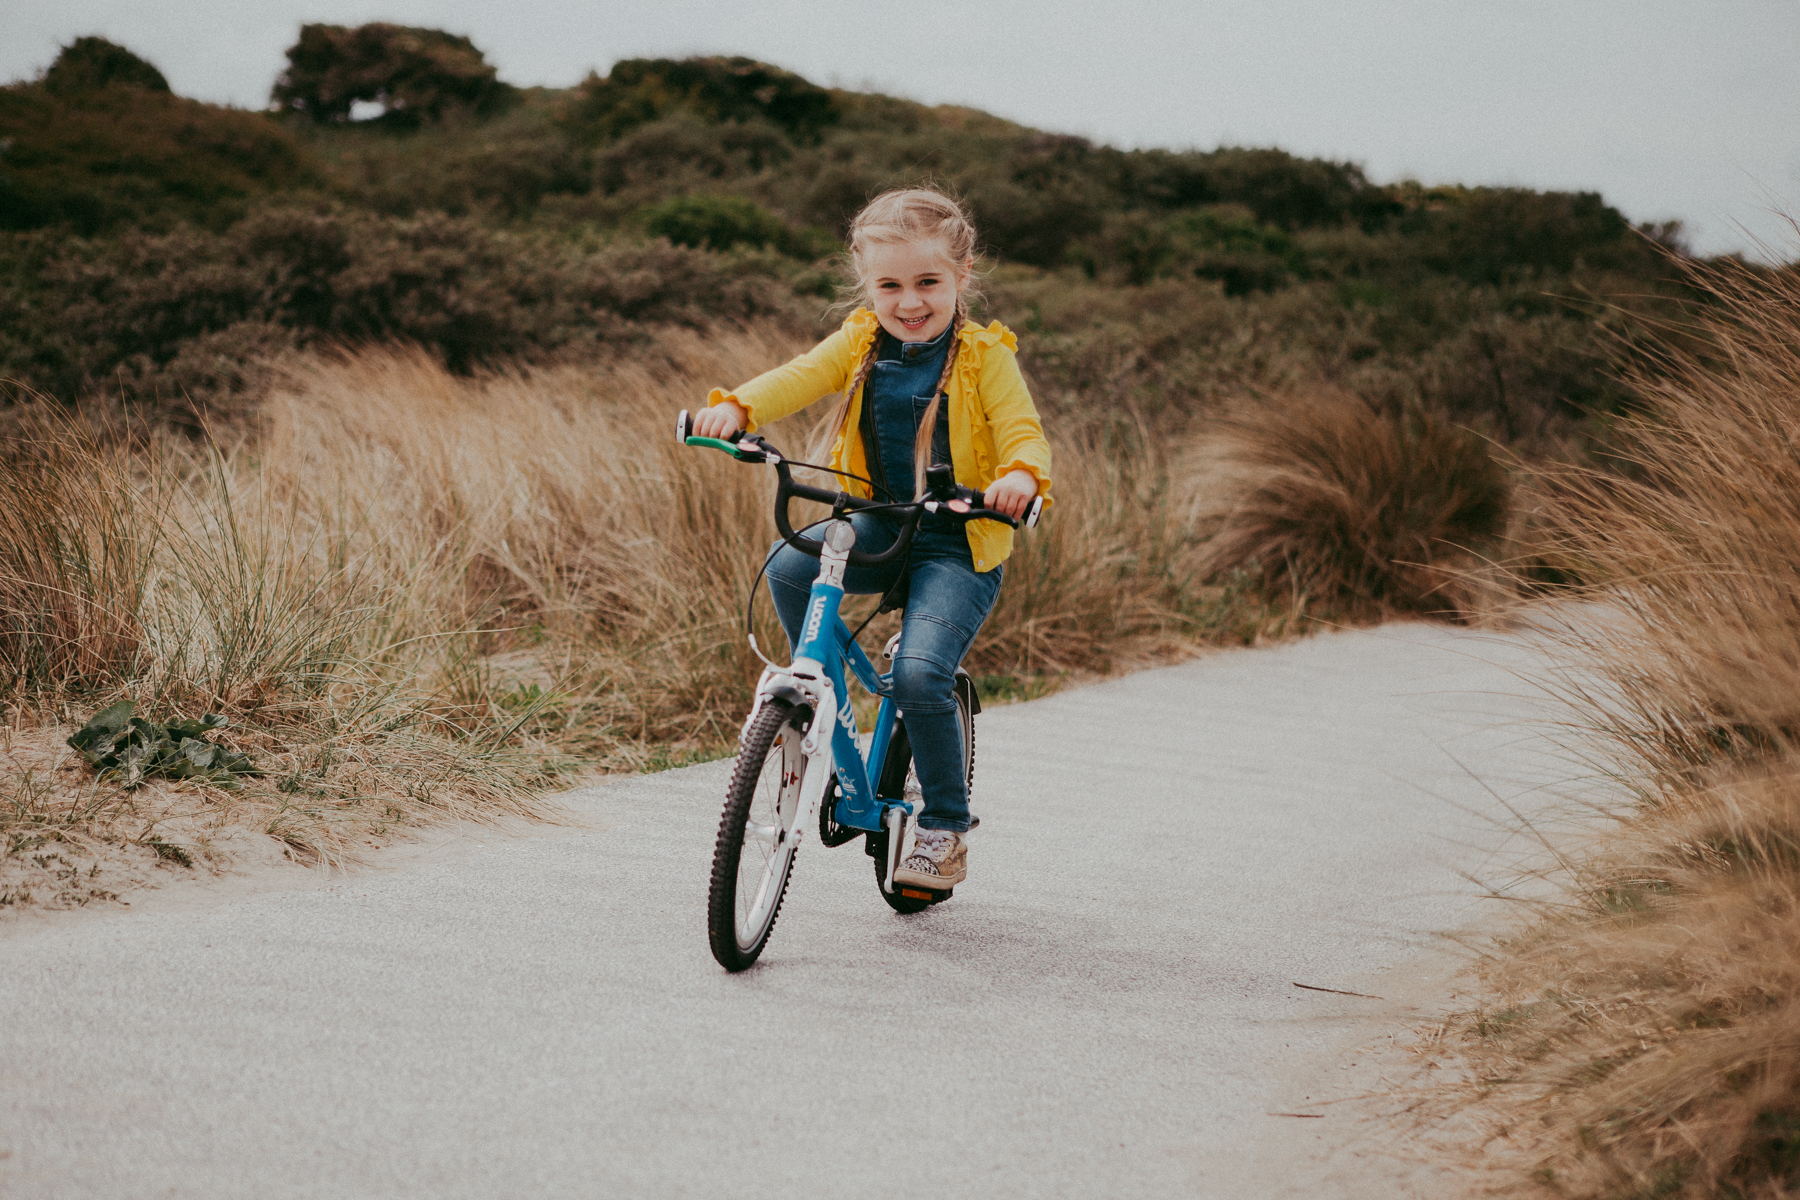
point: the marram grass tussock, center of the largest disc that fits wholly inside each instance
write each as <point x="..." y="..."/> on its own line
<point x="1643" y="1038"/>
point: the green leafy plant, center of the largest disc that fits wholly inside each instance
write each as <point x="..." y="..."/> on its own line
<point x="132" y="749"/>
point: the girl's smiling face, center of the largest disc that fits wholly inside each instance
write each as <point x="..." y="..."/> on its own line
<point x="912" y="286"/>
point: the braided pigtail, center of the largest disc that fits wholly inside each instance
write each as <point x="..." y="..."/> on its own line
<point x="833" y="425"/>
<point x="863" y="372"/>
<point x="928" y="425"/>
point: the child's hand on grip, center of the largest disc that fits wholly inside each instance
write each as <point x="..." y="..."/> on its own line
<point x="1012" y="493"/>
<point x="723" y="421"/>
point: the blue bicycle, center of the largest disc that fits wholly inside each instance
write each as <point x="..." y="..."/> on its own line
<point x="801" y="756"/>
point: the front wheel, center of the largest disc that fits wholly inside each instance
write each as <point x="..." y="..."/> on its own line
<point x="754" y="854"/>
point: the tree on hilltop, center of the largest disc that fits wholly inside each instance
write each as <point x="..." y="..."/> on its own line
<point x="88" y="64"/>
<point x="416" y="75"/>
<point x="641" y="90"/>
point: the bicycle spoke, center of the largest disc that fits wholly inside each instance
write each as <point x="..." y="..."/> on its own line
<point x="767" y="840"/>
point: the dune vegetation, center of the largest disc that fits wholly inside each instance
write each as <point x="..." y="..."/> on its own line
<point x="1640" y="1039"/>
<point x="348" y="420"/>
<point x="416" y="594"/>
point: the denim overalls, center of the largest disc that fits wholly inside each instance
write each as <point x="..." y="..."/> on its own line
<point x="947" y="600"/>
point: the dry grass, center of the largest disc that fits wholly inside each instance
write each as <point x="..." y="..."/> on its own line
<point x="611" y="566"/>
<point x="1357" y="512"/>
<point x="420" y="595"/>
<point x="1645" y="1040"/>
<point x="75" y="558"/>
<point x="551" y="535"/>
<point x="1112" y="578"/>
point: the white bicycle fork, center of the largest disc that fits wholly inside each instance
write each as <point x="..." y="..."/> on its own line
<point x="809" y="679"/>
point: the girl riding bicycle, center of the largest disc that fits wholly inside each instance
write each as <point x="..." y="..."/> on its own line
<point x="921" y="384"/>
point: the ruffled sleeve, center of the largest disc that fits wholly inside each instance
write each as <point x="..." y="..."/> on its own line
<point x="824" y="369"/>
<point x="1012" y="419"/>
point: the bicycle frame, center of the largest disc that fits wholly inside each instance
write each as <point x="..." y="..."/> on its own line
<point x="817" y="678"/>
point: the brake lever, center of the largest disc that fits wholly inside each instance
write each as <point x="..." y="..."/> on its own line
<point x="946" y="492"/>
<point x="968" y="511"/>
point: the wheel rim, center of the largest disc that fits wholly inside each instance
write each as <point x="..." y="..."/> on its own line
<point x="769" y="833"/>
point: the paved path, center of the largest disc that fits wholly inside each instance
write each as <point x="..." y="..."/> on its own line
<point x="1105" y="1009"/>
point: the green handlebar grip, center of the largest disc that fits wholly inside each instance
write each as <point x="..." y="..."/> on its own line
<point x="716" y="443"/>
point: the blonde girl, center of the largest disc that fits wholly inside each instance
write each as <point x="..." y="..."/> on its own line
<point x="921" y="384"/>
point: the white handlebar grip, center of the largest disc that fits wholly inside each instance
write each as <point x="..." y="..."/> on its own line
<point x="684" y="427"/>
<point x="1035" y="511"/>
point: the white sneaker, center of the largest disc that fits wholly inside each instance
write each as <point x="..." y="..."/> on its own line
<point x="939" y="860"/>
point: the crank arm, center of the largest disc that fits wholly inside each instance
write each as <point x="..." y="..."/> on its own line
<point x="895" y="821"/>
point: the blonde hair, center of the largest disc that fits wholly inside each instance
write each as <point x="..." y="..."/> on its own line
<point x="908" y="215"/>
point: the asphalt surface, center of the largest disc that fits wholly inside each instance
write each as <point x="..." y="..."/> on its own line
<point x="1106" y="1007"/>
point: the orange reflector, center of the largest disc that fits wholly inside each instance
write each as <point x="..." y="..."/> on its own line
<point x="912" y="895"/>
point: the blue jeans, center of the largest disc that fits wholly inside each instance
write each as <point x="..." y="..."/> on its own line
<point x="947" y="601"/>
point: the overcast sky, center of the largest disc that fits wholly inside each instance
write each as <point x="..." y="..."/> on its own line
<point x="1684" y="109"/>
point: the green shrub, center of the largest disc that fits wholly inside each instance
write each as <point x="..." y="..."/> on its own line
<point x="415" y="74"/>
<point x="681" y="153"/>
<point x="727" y="222"/>
<point x="94" y="160"/>
<point x="1223" y="242"/>
<point x="713" y="222"/>
<point x="641" y="90"/>
<point x="1046" y="202"/>
<point x="1278" y="188"/>
<point x="1295" y="193"/>
<point x="503" y="167"/>
<point x="191" y="309"/>
<point x="1487" y="235"/>
<point x="88" y="64"/>
<point x="1037" y="195"/>
<point x="1207" y="273"/>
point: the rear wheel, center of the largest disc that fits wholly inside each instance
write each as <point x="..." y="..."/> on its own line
<point x="965" y="716"/>
<point x="754" y="854"/>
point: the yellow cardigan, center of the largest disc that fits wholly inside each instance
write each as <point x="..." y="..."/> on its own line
<point x="994" y="427"/>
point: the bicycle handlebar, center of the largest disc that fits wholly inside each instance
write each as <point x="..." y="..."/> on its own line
<point x="943" y="496"/>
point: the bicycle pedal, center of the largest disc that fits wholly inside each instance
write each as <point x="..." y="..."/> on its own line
<point x="918" y="893"/>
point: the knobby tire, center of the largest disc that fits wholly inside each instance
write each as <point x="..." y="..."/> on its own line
<point x="747" y="779"/>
